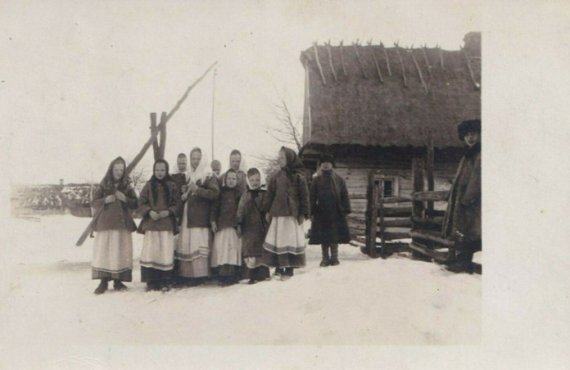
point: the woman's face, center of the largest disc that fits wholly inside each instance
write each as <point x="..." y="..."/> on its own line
<point x="160" y="170"/>
<point x="472" y="138"/>
<point x="231" y="180"/>
<point x="254" y="181"/>
<point x="282" y="159"/>
<point x="118" y="170"/>
<point x="195" y="159"/>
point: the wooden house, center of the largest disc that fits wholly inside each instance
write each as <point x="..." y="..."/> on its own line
<point x="374" y="108"/>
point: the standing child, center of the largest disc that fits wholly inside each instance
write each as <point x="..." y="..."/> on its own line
<point x="113" y="249"/>
<point x="329" y="205"/>
<point x="287" y="202"/>
<point x="252" y="226"/>
<point x="226" y="254"/>
<point x="158" y="206"/>
<point x="193" y="246"/>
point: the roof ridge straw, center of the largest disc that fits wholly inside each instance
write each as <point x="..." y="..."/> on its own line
<point x="402" y="65"/>
<point x="331" y="61"/>
<point x="355" y="45"/>
<point x="376" y="62"/>
<point x="475" y="83"/>
<point x="419" y="70"/>
<point x="387" y="60"/>
<point x="319" y="63"/>
<point x="427" y="61"/>
<point x="342" y="58"/>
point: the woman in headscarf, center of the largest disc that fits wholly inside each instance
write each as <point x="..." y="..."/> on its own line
<point x="194" y="241"/>
<point x="113" y="249"/>
<point x="287" y="202"/>
<point x="158" y="207"/>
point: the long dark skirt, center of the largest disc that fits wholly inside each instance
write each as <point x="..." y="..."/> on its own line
<point x="282" y="260"/>
<point x="150" y="275"/>
<point x="227" y="271"/>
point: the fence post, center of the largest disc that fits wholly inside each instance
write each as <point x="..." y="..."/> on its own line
<point x="418" y="186"/>
<point x="372" y="216"/>
<point x="429" y="173"/>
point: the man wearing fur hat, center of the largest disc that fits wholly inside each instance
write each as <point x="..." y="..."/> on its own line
<point x="463" y="216"/>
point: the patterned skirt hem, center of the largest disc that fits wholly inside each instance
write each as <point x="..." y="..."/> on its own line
<point x="123" y="275"/>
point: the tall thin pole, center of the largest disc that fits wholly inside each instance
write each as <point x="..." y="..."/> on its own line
<point x="213" y="105"/>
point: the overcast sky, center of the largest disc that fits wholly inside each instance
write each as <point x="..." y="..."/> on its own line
<point x="79" y="78"/>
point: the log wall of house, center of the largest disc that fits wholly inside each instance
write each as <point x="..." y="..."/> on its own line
<point x="355" y="173"/>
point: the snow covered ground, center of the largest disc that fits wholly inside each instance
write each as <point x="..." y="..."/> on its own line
<point x="46" y="295"/>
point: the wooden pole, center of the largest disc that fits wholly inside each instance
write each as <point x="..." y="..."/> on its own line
<point x="387" y="60"/>
<point x="342" y="59"/>
<point x="213" y="106"/>
<point x="419" y="71"/>
<point x="155" y="147"/>
<point x="380" y="186"/>
<point x="418" y="186"/>
<point x="142" y="152"/>
<point x="162" y="146"/>
<point x="319" y="63"/>
<point x="376" y="63"/>
<point x="475" y="83"/>
<point x="331" y="62"/>
<point x="426" y="59"/>
<point x="430" y="170"/>
<point x="355" y="45"/>
<point x="372" y="216"/>
<point x="402" y="65"/>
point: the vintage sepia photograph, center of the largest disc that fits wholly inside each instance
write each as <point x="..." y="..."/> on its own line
<point x="235" y="173"/>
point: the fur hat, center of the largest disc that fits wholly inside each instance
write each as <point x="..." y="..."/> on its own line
<point x="473" y="125"/>
<point x="327" y="157"/>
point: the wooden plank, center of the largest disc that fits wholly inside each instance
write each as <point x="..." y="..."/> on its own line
<point x="155" y="147"/>
<point x="429" y="171"/>
<point x="418" y="186"/>
<point x="434" y="196"/>
<point x="393" y="236"/>
<point x="398" y="222"/>
<point x="395" y="200"/>
<point x="371" y="224"/>
<point x="418" y="247"/>
<point x="162" y="146"/>
<point x="423" y="222"/>
<point x="426" y="235"/>
<point x="398" y="212"/>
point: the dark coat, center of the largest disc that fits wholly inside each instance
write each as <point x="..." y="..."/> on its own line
<point x="241" y="180"/>
<point x="180" y="180"/>
<point x="200" y="203"/>
<point x="329" y="205"/>
<point x="463" y="216"/>
<point x="148" y="203"/>
<point x="224" y="209"/>
<point x="287" y="196"/>
<point x="116" y="215"/>
<point x="251" y="218"/>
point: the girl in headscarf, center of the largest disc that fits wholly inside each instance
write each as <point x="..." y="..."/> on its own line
<point x="226" y="253"/>
<point x="193" y="248"/>
<point x="158" y="207"/>
<point x="113" y="249"/>
<point x="287" y="202"/>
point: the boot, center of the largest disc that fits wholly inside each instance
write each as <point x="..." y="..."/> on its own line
<point x="278" y="271"/>
<point x="103" y="286"/>
<point x="462" y="262"/>
<point x="334" y="255"/>
<point x="289" y="271"/>
<point x="326" y="261"/>
<point x="118" y="285"/>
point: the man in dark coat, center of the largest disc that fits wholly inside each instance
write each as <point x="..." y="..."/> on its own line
<point x="180" y="177"/>
<point x="463" y="217"/>
<point x="330" y="205"/>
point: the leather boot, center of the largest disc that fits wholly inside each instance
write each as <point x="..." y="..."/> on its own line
<point x="334" y="255"/>
<point x="103" y="286"/>
<point x="118" y="285"/>
<point x="326" y="261"/>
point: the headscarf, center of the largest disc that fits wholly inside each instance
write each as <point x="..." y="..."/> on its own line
<point x="225" y="175"/>
<point x="109" y="184"/>
<point x="294" y="164"/>
<point x="201" y="173"/>
<point x="154" y="181"/>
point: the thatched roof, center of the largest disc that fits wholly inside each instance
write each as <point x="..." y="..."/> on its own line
<point x="385" y="102"/>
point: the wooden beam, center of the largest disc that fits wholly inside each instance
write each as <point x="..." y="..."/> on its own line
<point x="475" y="83"/>
<point x="420" y="75"/>
<point x="397" y="211"/>
<point x="319" y="63"/>
<point x="424" y="235"/>
<point x="387" y="60"/>
<point x="395" y="200"/>
<point x="424" y="249"/>
<point x="418" y="186"/>
<point x="426" y="59"/>
<point x="402" y="65"/>
<point x="355" y="45"/>
<point x="429" y="171"/>
<point x="331" y="62"/>
<point x="162" y="145"/>
<point x="342" y="59"/>
<point x="431" y="196"/>
<point x="155" y="147"/>
<point x="380" y="221"/>
<point x="372" y="215"/>
<point x="376" y="63"/>
<point x="145" y="147"/>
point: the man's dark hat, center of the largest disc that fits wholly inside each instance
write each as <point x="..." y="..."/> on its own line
<point x="327" y="157"/>
<point x="473" y="125"/>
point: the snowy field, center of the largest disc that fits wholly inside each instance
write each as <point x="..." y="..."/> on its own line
<point x="47" y="294"/>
